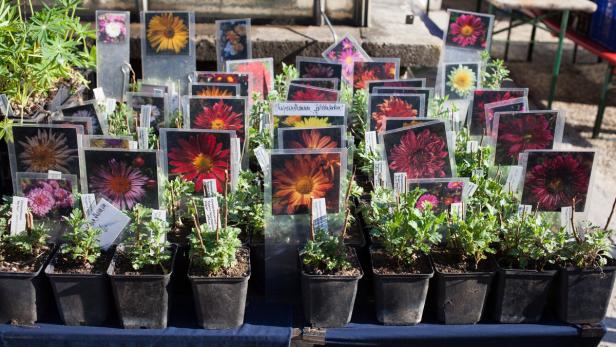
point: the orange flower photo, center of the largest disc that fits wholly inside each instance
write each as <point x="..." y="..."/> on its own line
<point x="167" y="33"/>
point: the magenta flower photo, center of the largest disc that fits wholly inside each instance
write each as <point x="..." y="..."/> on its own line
<point x="439" y="193"/>
<point x="468" y="30"/>
<point x="111" y="27"/>
<point x="47" y="198"/>
<point x="346" y="52"/>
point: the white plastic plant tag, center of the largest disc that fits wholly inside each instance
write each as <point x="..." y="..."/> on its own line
<point x="457" y="209"/>
<point x="142" y="137"/>
<point x="235" y="162"/>
<point x="469" y="189"/>
<point x="145" y="116"/>
<point x="262" y="158"/>
<point x="319" y="214"/>
<point x="110" y="105"/>
<point x="99" y="94"/>
<point x="212" y="212"/>
<point x="19" y="206"/>
<point x="565" y="218"/>
<point x="5" y="106"/>
<point x="159" y="214"/>
<point x="158" y="91"/>
<point x="399" y="183"/>
<point x="525" y="210"/>
<point x="110" y="219"/>
<point x="371" y="141"/>
<point x="209" y="187"/>
<point x="133" y="145"/>
<point x="477" y="172"/>
<point x="379" y="173"/>
<point x="54" y="175"/>
<point x="88" y="202"/>
<point x="472" y="146"/>
<point x="513" y="178"/>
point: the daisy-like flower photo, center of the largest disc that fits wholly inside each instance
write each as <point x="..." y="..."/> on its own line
<point x="461" y="79"/>
<point x="167" y="33"/>
<point x="555" y="178"/>
<point x="346" y="51"/>
<point x="311" y="138"/>
<point x="123" y="178"/>
<point x="468" y="30"/>
<point x="87" y="110"/>
<point x="363" y="71"/>
<point x="298" y="178"/>
<point x="232" y="40"/>
<point x="157" y="117"/>
<point x="261" y="72"/>
<point x="386" y="106"/>
<point x="40" y="149"/>
<point x="482" y="97"/>
<point x="195" y="156"/>
<point x="312" y="69"/>
<point x="439" y="193"/>
<point x="218" y="114"/>
<point x="307" y="93"/>
<point x="111" y="27"/>
<point x="518" y="132"/>
<point x="226" y="78"/>
<point x="217" y="89"/>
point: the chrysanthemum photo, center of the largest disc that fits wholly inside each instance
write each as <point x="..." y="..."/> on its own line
<point x="111" y="27"/>
<point x="123" y="178"/>
<point x="460" y="79"/>
<point x="232" y="40"/>
<point x="197" y="155"/>
<point x="363" y="71"/>
<point x="308" y="68"/>
<point x="511" y="105"/>
<point x="383" y="106"/>
<point x="261" y="72"/>
<point x="167" y="33"/>
<point x="421" y="151"/>
<point x="481" y="97"/>
<point x="86" y="110"/>
<point x="218" y="114"/>
<point x="393" y="123"/>
<point x="157" y="117"/>
<point x="226" y="78"/>
<point x="47" y="198"/>
<point x="346" y="51"/>
<point x="303" y="122"/>
<point x="84" y="123"/>
<point x="555" y="178"/>
<point x="311" y="138"/>
<point x="518" y="132"/>
<point x="298" y="178"/>
<point x="410" y="83"/>
<point x="327" y="83"/>
<point x="307" y="93"/>
<point x="440" y="194"/>
<point x="214" y="89"/>
<point x="468" y="30"/>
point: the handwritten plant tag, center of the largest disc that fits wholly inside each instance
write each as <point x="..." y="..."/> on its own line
<point x="525" y="210"/>
<point x="565" y="218"/>
<point x="319" y="214"/>
<point x="145" y="116"/>
<point x="513" y="178"/>
<point x="212" y="213"/>
<point x="54" y="175"/>
<point x="88" y="202"/>
<point x="469" y="189"/>
<point x="371" y="141"/>
<point x="472" y="146"/>
<point x="380" y="167"/>
<point x="110" y="219"/>
<point x="159" y="214"/>
<point x="209" y="187"/>
<point x="399" y="183"/>
<point x="99" y="94"/>
<point x="262" y="158"/>
<point x="19" y="207"/>
<point x="457" y="209"/>
<point x="143" y="134"/>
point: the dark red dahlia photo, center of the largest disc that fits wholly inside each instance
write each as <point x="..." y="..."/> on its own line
<point x="520" y="131"/>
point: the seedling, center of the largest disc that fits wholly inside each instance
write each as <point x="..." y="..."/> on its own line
<point x="80" y="240"/>
<point x="146" y="244"/>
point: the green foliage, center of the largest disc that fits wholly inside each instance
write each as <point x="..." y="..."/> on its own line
<point x="214" y="250"/>
<point x="589" y="246"/>
<point x="491" y="197"/>
<point x="146" y="243"/>
<point x="246" y="204"/>
<point x="405" y="230"/>
<point x="176" y="195"/>
<point x="6" y="130"/>
<point x="282" y="81"/>
<point x="437" y="108"/>
<point x="325" y="253"/>
<point x="119" y="124"/>
<point x="495" y="72"/>
<point x="467" y="163"/>
<point x="358" y="111"/>
<point x="26" y="244"/>
<point x="260" y="113"/>
<point x="473" y="237"/>
<point x="80" y="240"/>
<point x="41" y="49"/>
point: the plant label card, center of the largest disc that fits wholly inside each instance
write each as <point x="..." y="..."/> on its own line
<point x="472" y="146"/>
<point x="145" y="116"/>
<point x="393" y="123"/>
<point x="457" y="209"/>
<point x="158" y="89"/>
<point x="554" y="179"/>
<point x="215" y="89"/>
<point x="99" y="94"/>
<point x="376" y="70"/>
<point x="160" y="108"/>
<point x="196" y="155"/>
<point x="232" y="41"/>
<point x="469" y="189"/>
<point x="311" y="67"/>
<point x="346" y="51"/>
<point x="516" y="132"/>
<point x="312" y="138"/>
<point x="210" y="187"/>
<point x="218" y="113"/>
<point x="306" y="114"/>
<point x="468" y="30"/>
<point x="105" y="141"/>
<point x="243" y="79"/>
<point x="143" y="135"/>
<point x="513" y="178"/>
<point x="87" y="110"/>
<point x="411" y="83"/>
<point x="261" y="73"/>
<point x="319" y="214"/>
<point x="477" y="173"/>
<point x="459" y="80"/>
<point x="370" y="138"/>
<point x="110" y="220"/>
<point x="326" y="83"/>
<point x="524" y="210"/>
<point x="112" y="51"/>
<point x="566" y="213"/>
<point x="88" y="202"/>
<point x="299" y="92"/>
<point x="212" y="212"/>
<point x="439" y="193"/>
<point x="19" y="207"/>
<point x="399" y="183"/>
<point x="5" y="107"/>
<point x="82" y="122"/>
<point x="262" y="158"/>
<point x="427" y="92"/>
<point x="236" y="159"/>
<point x="54" y="175"/>
<point x="159" y="215"/>
<point x="380" y="174"/>
<point x="511" y="105"/>
<point x="383" y="106"/>
<point x="482" y="97"/>
<point x="422" y="151"/>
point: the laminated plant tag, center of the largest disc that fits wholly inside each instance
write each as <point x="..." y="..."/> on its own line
<point x="319" y="214"/>
<point x="440" y="193"/>
<point x="112" y="51"/>
<point x="262" y="158"/>
<point x="133" y="145"/>
<point x="371" y="141"/>
<point x="209" y="188"/>
<point x="457" y="209"/>
<point x="142" y="137"/>
<point x="145" y="116"/>
<point x="525" y="210"/>
<point x="110" y="219"/>
<point x="212" y="212"/>
<point x="236" y="158"/>
<point x="88" y="202"/>
<point x="378" y="69"/>
<point x="565" y="218"/>
<point x="19" y="206"/>
<point x="233" y="41"/>
<point x="54" y="175"/>
<point x="472" y="146"/>
<point x="159" y="214"/>
<point x="400" y="183"/>
<point x="380" y="178"/>
<point x="469" y="189"/>
<point x="477" y="172"/>
<point x="5" y="106"/>
<point x="110" y="105"/>
<point x="99" y="94"/>
<point x="513" y="178"/>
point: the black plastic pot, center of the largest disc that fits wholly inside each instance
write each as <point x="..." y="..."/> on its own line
<point x="400" y="299"/>
<point x="25" y="297"/>
<point x="460" y="297"/>
<point x="220" y="301"/>
<point x="142" y="301"/>
<point x="583" y="296"/>
<point x="82" y="299"/>
<point x="521" y="295"/>
<point x="328" y="300"/>
<point x="257" y="267"/>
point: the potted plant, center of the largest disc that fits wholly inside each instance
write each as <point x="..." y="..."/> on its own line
<point x="402" y="269"/>
<point x="23" y="290"/>
<point x="78" y="276"/>
<point x="586" y="280"/>
<point x="140" y="272"/>
<point x="177" y="194"/>
<point x="528" y="250"/>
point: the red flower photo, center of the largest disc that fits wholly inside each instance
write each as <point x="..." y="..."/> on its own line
<point x="409" y="83"/>
<point x="261" y="72"/>
<point x="511" y="105"/>
<point x="481" y="97"/>
<point x="468" y="30"/>
<point x="382" y="106"/>
<point x="439" y="193"/>
<point x="309" y="67"/>
<point x="346" y="51"/>
<point x="298" y="92"/>
<point x="379" y="69"/>
<point x="555" y="178"/>
<point x="218" y="114"/>
<point x="227" y="78"/>
<point x="311" y="138"/>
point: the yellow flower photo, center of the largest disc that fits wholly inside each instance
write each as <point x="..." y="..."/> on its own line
<point x="167" y="33"/>
<point x="461" y="79"/>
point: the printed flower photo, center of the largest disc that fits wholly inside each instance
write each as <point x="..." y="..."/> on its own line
<point x="468" y="30"/>
<point x="409" y="83"/>
<point x="382" y="106"/>
<point x="124" y="178"/>
<point x="87" y="110"/>
<point x="232" y="40"/>
<point x="298" y="92"/>
<point x="377" y="70"/>
<point x="421" y="151"/>
<point x="426" y="92"/>
<point x="460" y="79"/>
<point x="296" y="178"/>
<point x="346" y="52"/>
<point x="554" y="178"/>
<point x="195" y="155"/>
<point x="311" y="138"/>
<point x="260" y="72"/>
<point x="219" y="114"/>
<point x="327" y="83"/>
<point x="228" y="78"/>
<point x="521" y="131"/>
<point x="111" y="142"/>
<point x="304" y="122"/>
<point x="42" y="148"/>
<point x="158" y="103"/>
<point x="393" y="123"/>
<point x="167" y="33"/>
<point x="112" y="27"/>
<point x="47" y="198"/>
<point x="83" y="122"/>
<point x="214" y="89"/>
<point x="311" y="68"/>
<point x="481" y="97"/>
<point x="439" y="194"/>
<point x="511" y="105"/>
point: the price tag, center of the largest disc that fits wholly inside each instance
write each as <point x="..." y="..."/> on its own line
<point x="99" y="94"/>
<point x="159" y="214"/>
<point x="380" y="167"/>
<point x="110" y="220"/>
<point x="371" y="141"/>
<point x="565" y="218"/>
<point x="457" y="209"/>
<point x="88" y="202"/>
<point x="262" y="158"/>
<point x="142" y="137"/>
<point x="212" y="213"/>
<point x="472" y="146"/>
<point x="54" y="175"/>
<point x="525" y="210"/>
<point x="513" y="178"/>
<point x="399" y="183"/>
<point x="19" y="207"/>
<point x="469" y="189"/>
<point x="209" y="188"/>
<point x="319" y="214"/>
<point x="145" y="116"/>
